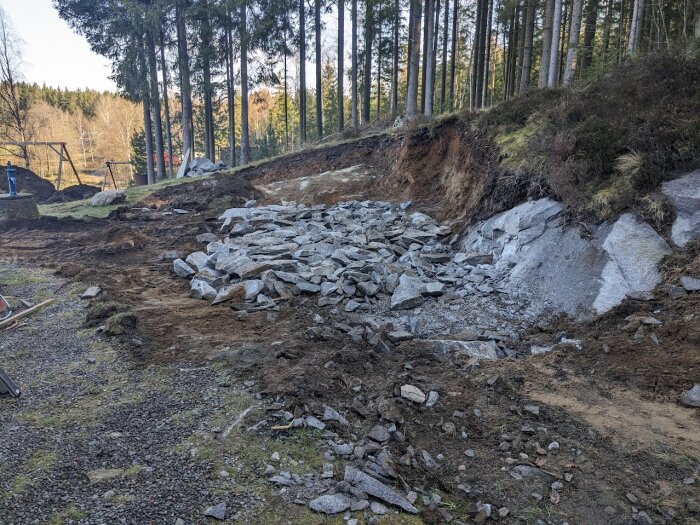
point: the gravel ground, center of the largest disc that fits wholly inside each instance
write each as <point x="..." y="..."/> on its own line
<point x="87" y="406"/>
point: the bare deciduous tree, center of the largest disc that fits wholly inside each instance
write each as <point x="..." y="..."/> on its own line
<point x="15" y="119"/>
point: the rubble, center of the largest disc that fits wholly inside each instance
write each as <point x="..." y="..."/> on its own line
<point x="199" y="167"/>
<point x="366" y="255"/>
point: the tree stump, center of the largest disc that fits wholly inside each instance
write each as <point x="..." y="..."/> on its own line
<point x="19" y="207"/>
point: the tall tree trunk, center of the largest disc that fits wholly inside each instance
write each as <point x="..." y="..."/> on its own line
<point x="367" y="77"/>
<point x="155" y="104"/>
<point x="546" y="43"/>
<point x="245" y="140"/>
<point x="208" y="89"/>
<point x="395" y="60"/>
<point x="414" y="60"/>
<point x="453" y="56"/>
<point x="527" y="55"/>
<point x="409" y="47"/>
<point x="302" y="72"/>
<point x="231" y="94"/>
<point x="166" y="104"/>
<point x="146" y="102"/>
<point x="286" y="97"/>
<point x="443" y="73"/>
<point x="379" y="68"/>
<point x="589" y="34"/>
<point x="425" y="44"/>
<point x="436" y="37"/>
<point x="430" y="51"/>
<point x="341" y="64"/>
<point x="563" y="38"/>
<point x="319" y="88"/>
<point x="487" y="56"/>
<point x="481" y="62"/>
<point x="521" y="44"/>
<point x="353" y="89"/>
<point x="553" y="76"/>
<point x="605" y="37"/>
<point x="574" y="37"/>
<point x="636" y="27"/>
<point x="475" y="83"/>
<point x="183" y="63"/>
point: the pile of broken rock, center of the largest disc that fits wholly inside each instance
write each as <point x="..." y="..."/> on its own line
<point x="368" y="255"/>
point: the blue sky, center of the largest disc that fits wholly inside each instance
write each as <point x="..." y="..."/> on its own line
<point x="53" y="54"/>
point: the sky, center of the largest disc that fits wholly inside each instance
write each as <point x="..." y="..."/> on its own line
<point x="53" y="54"/>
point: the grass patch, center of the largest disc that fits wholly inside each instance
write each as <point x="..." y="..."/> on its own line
<point x="84" y="210"/>
<point x="42" y="460"/>
<point x="67" y="515"/>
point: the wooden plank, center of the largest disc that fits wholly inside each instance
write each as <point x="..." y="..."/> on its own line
<point x="11" y="320"/>
<point x="75" y="171"/>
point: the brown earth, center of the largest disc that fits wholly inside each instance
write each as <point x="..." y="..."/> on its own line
<point x="611" y="406"/>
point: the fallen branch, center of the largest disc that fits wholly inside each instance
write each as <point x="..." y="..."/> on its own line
<point x="24" y="313"/>
<point x="282" y="427"/>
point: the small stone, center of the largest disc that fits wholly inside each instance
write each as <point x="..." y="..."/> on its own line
<point x="631" y="498"/>
<point x="269" y="470"/>
<point x="275" y="456"/>
<point x="331" y="504"/>
<point x="609" y="510"/>
<point x="553" y="445"/>
<point x="379" y="433"/>
<point x="378" y="508"/>
<point x="399" y="336"/>
<point x="108" y="495"/>
<point x="91" y="292"/>
<point x="412" y="393"/>
<point x="644" y="519"/>
<point x="314" y="422"/>
<point x="532" y="409"/>
<point x="217" y="511"/>
<point x="691" y="397"/>
<point x="557" y="485"/>
<point x="568" y="477"/>
<point x="537" y="496"/>
<point x="690" y="284"/>
<point x="433" y="397"/>
<point x="503" y="512"/>
<point x="470" y="453"/>
<point x="689" y="481"/>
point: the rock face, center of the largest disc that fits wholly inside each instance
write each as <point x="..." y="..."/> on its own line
<point x="634" y="250"/>
<point x="105" y="198"/>
<point x="563" y="270"/>
<point x="684" y="194"/>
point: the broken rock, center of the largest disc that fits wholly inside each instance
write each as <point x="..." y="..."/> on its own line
<point x="379" y="490"/>
<point x="412" y="393"/>
<point x="331" y="503"/>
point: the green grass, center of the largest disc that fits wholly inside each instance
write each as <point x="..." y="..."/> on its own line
<point x="67" y="515"/>
<point x="84" y="210"/>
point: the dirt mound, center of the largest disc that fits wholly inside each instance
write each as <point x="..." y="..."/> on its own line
<point x="74" y="193"/>
<point x="28" y="181"/>
<point x="210" y="193"/>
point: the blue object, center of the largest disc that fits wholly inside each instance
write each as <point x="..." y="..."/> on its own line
<point x="11" y="180"/>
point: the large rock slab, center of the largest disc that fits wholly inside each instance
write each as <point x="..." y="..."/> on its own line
<point x="379" y="490"/>
<point x="684" y="194"/>
<point x="408" y="294"/>
<point x="635" y="250"/>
